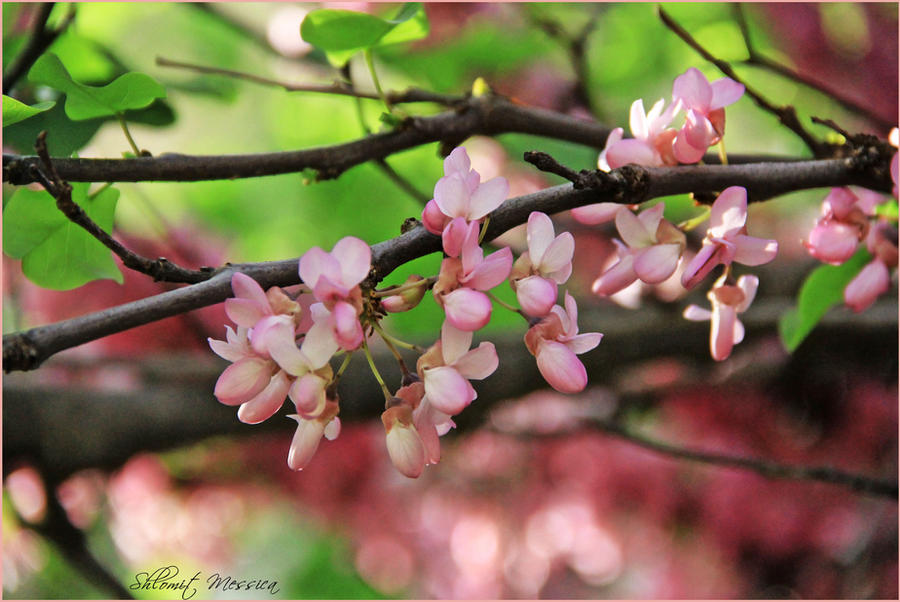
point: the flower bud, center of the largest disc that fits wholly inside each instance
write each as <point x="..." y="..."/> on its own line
<point x="403" y="442"/>
<point x="407" y="299"/>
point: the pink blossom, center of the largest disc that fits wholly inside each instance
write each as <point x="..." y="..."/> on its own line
<point x="449" y="364"/>
<point x="405" y="447"/>
<point x="726" y="239"/>
<point x="652" y="142"/>
<point x="875" y="278"/>
<point x="555" y="343"/>
<point x="653" y="249"/>
<point x="598" y="213"/>
<point x="249" y="373"/>
<point x="727" y="301"/>
<point x="842" y="225"/>
<point x="309" y="433"/>
<point x="705" y="120"/>
<point x="547" y="263"/>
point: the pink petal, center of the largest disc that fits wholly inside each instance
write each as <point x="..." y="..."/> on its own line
<point x="561" y="275"/>
<point x="838" y="203"/>
<point x="637" y="120"/>
<point x="583" y="343"/>
<point x="684" y="152"/>
<point x="242" y="380"/>
<point x="701" y="265"/>
<point x="634" y="151"/>
<point x="539" y="235"/>
<point x="327" y="290"/>
<point x="750" y="250"/>
<point x="454" y="342"/>
<point x="316" y="263"/>
<point x="447" y="390"/>
<point x="738" y="331"/>
<point x="491" y="272"/>
<point x="657" y="263"/>
<point x="406" y="450"/>
<point x="320" y="343"/>
<point x="633" y="231"/>
<point x="561" y="368"/>
<point x="728" y="213"/>
<point x="614" y="136"/>
<point x="428" y="433"/>
<point x="226" y="351"/>
<point x="698" y="130"/>
<point x="244" y="312"/>
<point x="650" y="219"/>
<point x="597" y="213"/>
<point x="267" y="402"/>
<point x="457" y="162"/>
<point x="347" y="328"/>
<point x="245" y="287"/>
<point x="536" y="295"/>
<point x="872" y="281"/>
<point x="833" y="242"/>
<point x="467" y="309"/>
<point x="471" y="254"/>
<point x="451" y="196"/>
<point x="748" y="284"/>
<point x="305" y="443"/>
<point x="487" y="197"/>
<point x="693" y="89"/>
<point x="558" y="255"/>
<point x="615" y="278"/>
<point x="725" y="91"/>
<point x="478" y="363"/>
<point x="332" y="429"/>
<point x="355" y="258"/>
<point x="721" y="338"/>
<point x="433" y="218"/>
<point x="454" y="235"/>
<point x="571" y="324"/>
<point x="697" y="313"/>
<point x="275" y="338"/>
<point x="308" y="395"/>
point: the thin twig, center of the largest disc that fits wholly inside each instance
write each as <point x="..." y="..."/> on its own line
<point x="160" y="269"/>
<point x="41" y="39"/>
<point x="402" y="183"/>
<point x="766" y="468"/>
<point x="758" y="60"/>
<point x="787" y="115"/>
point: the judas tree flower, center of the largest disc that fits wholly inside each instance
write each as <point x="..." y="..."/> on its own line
<point x="334" y="279"/>
<point x="652" y="142"/>
<point x="310" y="432"/>
<point x="726" y="239"/>
<point x="598" y="213"/>
<point x="250" y="304"/>
<point x="462" y="279"/>
<point x="728" y="301"/>
<point x="411" y="293"/>
<point x="842" y="225"/>
<point x="875" y="278"/>
<point x="405" y="447"/>
<point x="705" y="105"/>
<point x="447" y="367"/>
<point x="546" y="263"/>
<point x="249" y="372"/>
<point x="653" y="249"/>
<point x="461" y="194"/>
<point x="555" y="343"/>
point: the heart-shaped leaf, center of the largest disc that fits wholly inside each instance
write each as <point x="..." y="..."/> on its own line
<point x="55" y="252"/>
<point x="129" y="91"/>
<point x="15" y="111"/>
<point x="343" y="33"/>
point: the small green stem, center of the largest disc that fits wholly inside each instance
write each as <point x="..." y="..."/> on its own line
<point x="484" y="227"/>
<point x="390" y="346"/>
<point x="722" y="156"/>
<point x="361" y="117"/>
<point x="343" y="367"/>
<point x="690" y="224"/>
<point x="505" y="304"/>
<point x="389" y="292"/>
<point x="371" y="64"/>
<point x="400" y="343"/>
<point x="134" y="147"/>
<point x="384" y="389"/>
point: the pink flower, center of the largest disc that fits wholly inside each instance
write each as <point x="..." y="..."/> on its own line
<point x="598" y="213"/>
<point x="309" y="433"/>
<point x="726" y="239"/>
<point x="461" y="194"/>
<point x="447" y="367"/>
<point x="704" y="103"/>
<point x="404" y="445"/>
<point x="249" y="373"/>
<point x="462" y="280"/>
<point x="841" y="227"/>
<point x="727" y="301"/>
<point x="555" y="342"/>
<point x="875" y="278"/>
<point x="547" y="263"/>
<point x="654" y="248"/>
<point x="652" y="142"/>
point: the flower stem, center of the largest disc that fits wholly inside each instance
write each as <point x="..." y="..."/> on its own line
<point x="398" y="342"/>
<point x="137" y="152"/>
<point x="371" y="64"/>
<point x="391" y="291"/>
<point x="384" y="389"/>
<point x="484" y="227"/>
<point x="505" y="304"/>
<point x="343" y="367"/>
<point x="689" y="224"/>
<point x="390" y="346"/>
<point x="722" y="156"/>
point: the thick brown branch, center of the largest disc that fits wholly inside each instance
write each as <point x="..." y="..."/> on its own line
<point x="631" y="184"/>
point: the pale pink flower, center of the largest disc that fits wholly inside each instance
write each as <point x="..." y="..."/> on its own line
<point x="430" y="424"/>
<point x="704" y="103"/>
<point x="598" y="213"/>
<point x="875" y="278"/>
<point x="309" y="433"/>
<point x="249" y="373"/>
<point x="726" y="239"/>
<point x="555" y="343"/>
<point x="547" y="263"/>
<point x="842" y="225"/>
<point x="405" y="447"/>
<point x="652" y="142"/>
<point x="653" y="248"/>
<point x="447" y="367"/>
<point x="727" y="302"/>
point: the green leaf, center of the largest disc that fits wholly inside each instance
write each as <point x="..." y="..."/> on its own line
<point x="129" y="91"/>
<point x="15" y="111"/>
<point x="56" y="253"/>
<point x="343" y="33"/>
<point x="822" y="289"/>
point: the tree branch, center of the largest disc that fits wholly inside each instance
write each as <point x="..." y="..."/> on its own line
<point x="630" y="184"/>
<point x="40" y="40"/>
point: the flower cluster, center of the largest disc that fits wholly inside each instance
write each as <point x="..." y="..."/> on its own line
<point x="269" y="365"/>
